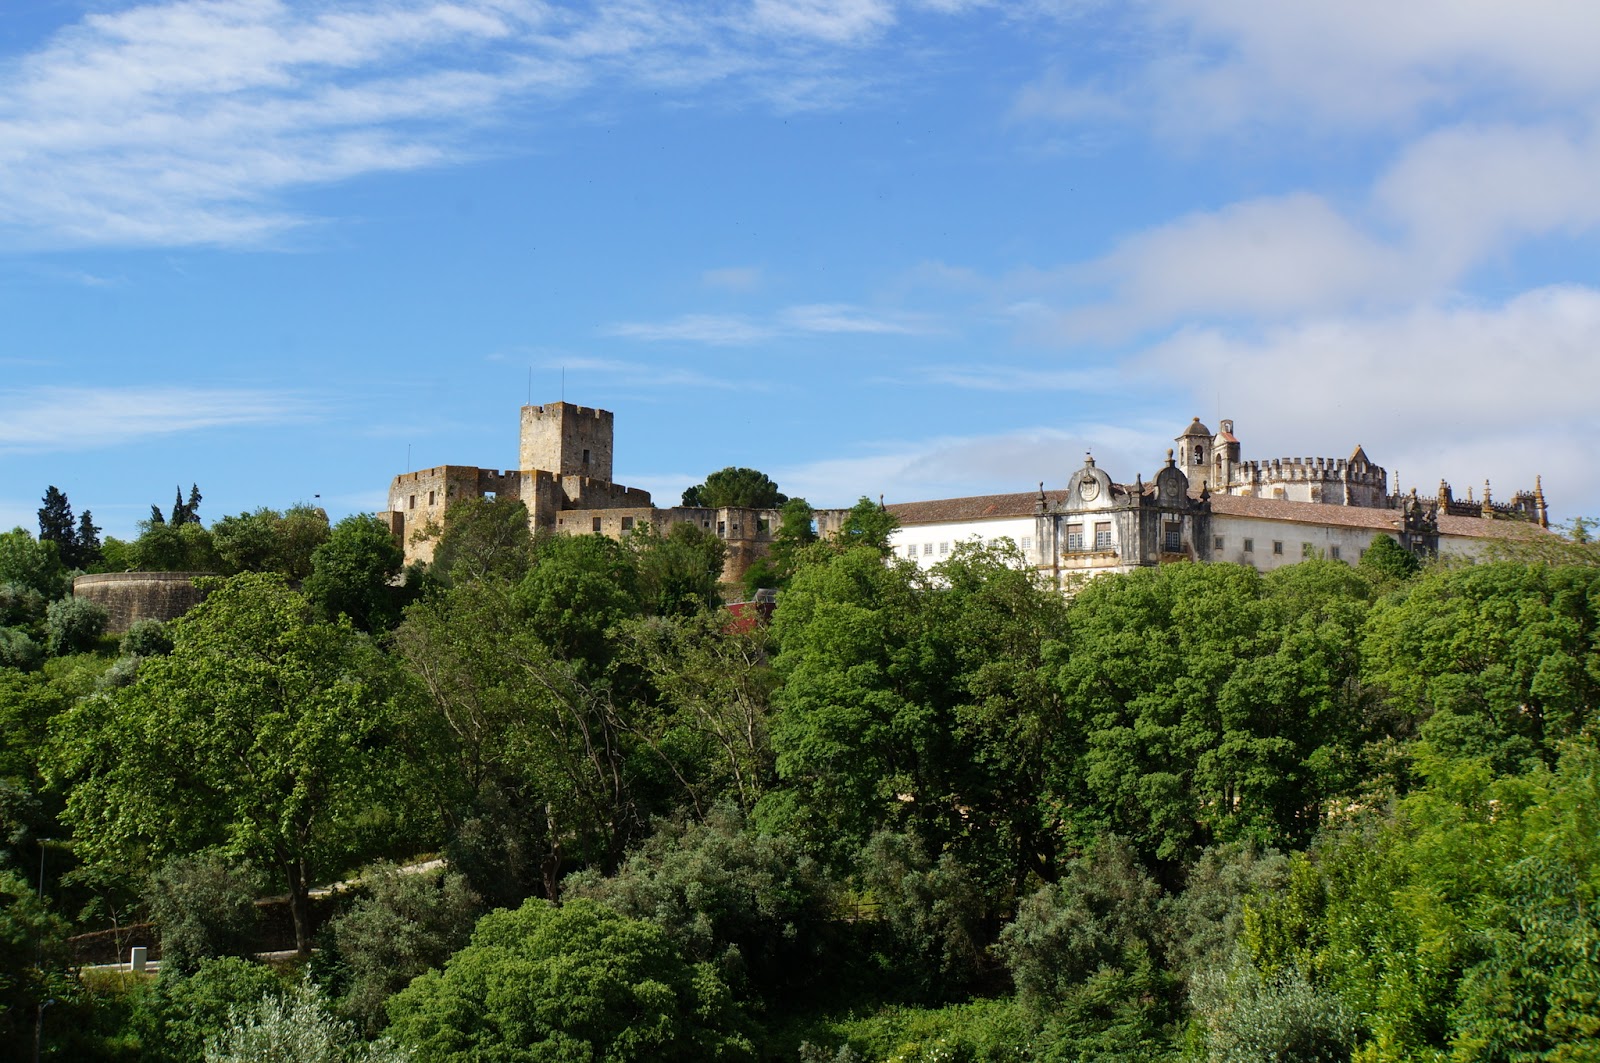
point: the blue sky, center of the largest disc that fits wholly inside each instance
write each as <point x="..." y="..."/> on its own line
<point x="914" y="248"/>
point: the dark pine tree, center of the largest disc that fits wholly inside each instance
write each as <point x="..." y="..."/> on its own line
<point x="55" y="523"/>
<point x="156" y="516"/>
<point x="88" y="542"/>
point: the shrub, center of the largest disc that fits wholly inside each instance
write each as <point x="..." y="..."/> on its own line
<point x="1249" y="1019"/>
<point x="17" y="650"/>
<point x="575" y="982"/>
<point x="146" y="638"/>
<point x="74" y="625"/>
<point x="406" y="923"/>
<point x="205" y="907"/>
<point x="295" y="1028"/>
<point x="185" y="1009"/>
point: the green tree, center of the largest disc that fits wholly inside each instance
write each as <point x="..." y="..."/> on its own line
<point x="523" y="753"/>
<point x="263" y="733"/>
<point x="483" y="537"/>
<point x="868" y="524"/>
<point x="1387" y="560"/>
<point x="56" y="525"/>
<point x="574" y="982"/>
<point x="269" y="541"/>
<point x="796" y="533"/>
<point x="737" y="487"/>
<point x="88" y="548"/>
<point x="205" y="906"/>
<point x="33" y="564"/>
<point x="919" y="701"/>
<point x="184" y="1010"/>
<point x="164" y="547"/>
<point x="1206" y="703"/>
<point x="295" y="1027"/>
<point x="405" y="922"/>
<point x="679" y="572"/>
<point x="353" y="574"/>
<point x="752" y="903"/>
<point x="74" y="625"/>
<point x="1492" y="660"/>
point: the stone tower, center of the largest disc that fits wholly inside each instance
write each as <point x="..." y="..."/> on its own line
<point x="567" y="440"/>
<point x="1193" y="450"/>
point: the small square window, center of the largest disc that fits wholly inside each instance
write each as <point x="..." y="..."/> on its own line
<point x="944" y="548"/>
<point x="1277" y="546"/>
<point x="1306" y="550"/>
<point x="927" y="549"/>
<point x="596" y="524"/>
<point x="627" y="524"/>
<point x="1249" y="546"/>
<point x="1333" y="552"/>
<point x="1027" y="542"/>
<point x="911" y="550"/>
<point x="1216" y="544"/>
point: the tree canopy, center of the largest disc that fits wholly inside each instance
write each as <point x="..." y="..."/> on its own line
<point x="740" y="487"/>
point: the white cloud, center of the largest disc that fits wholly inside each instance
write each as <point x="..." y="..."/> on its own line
<point x="1462" y="392"/>
<point x="958" y="466"/>
<point x="733" y="278"/>
<point x="834" y="317"/>
<point x="719" y="330"/>
<point x="641" y="374"/>
<point x="61" y="418"/>
<point x="1202" y="67"/>
<point x="722" y="330"/>
<point x="187" y="122"/>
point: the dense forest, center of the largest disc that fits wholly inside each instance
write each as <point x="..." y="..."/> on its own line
<point x="580" y="811"/>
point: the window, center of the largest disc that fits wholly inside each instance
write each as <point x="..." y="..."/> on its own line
<point x="911" y="550"/>
<point x="1305" y="550"/>
<point x="761" y="524"/>
<point x="1199" y="455"/>
<point x="413" y="503"/>
<point x="1074" y="537"/>
<point x="1333" y="552"/>
<point x="586" y="457"/>
<point x="596" y="524"/>
<point x="1216" y="543"/>
<point x="1172" y="538"/>
<point x="1249" y="546"/>
<point x="627" y="524"/>
<point x="722" y="529"/>
<point x="1277" y="546"/>
<point x="1102" y="535"/>
<point x="944" y="548"/>
<point x="1027" y="542"/>
<point x="927" y="549"/>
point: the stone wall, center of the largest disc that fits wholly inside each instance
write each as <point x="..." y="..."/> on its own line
<point x="131" y="596"/>
<point x="567" y="440"/>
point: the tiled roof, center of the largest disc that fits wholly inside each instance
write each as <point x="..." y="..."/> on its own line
<point x="1361" y="517"/>
<point x="978" y="507"/>
<point x="1024" y="504"/>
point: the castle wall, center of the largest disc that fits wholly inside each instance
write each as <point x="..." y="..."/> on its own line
<point x="131" y="596"/>
<point x="1274" y="544"/>
<point x="418" y="499"/>
<point x="1331" y="481"/>
<point x="567" y="440"/>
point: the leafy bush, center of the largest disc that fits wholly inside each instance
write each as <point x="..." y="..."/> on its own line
<point x="295" y="1028"/>
<point x="930" y="909"/>
<point x="575" y="982"/>
<point x="74" y="625"/>
<point x="186" y="1009"/>
<point x="1249" y="1019"/>
<point x="725" y="893"/>
<point x="18" y="650"/>
<point x="205" y="907"/>
<point x="146" y="638"/>
<point x="20" y="605"/>
<point x="405" y="924"/>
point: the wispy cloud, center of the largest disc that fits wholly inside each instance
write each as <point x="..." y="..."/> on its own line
<point x="733" y="278"/>
<point x="640" y="374"/>
<point x="188" y="122"/>
<point x="741" y="331"/>
<point x="718" y="330"/>
<point x="59" y="418"/>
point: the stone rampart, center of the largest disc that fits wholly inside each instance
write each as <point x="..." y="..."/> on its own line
<point x="131" y="596"/>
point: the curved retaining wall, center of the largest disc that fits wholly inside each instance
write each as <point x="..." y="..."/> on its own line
<point x="130" y="596"/>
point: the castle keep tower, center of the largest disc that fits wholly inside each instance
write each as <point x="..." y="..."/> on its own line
<point x="567" y="440"/>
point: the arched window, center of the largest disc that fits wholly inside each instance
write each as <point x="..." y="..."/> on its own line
<point x="1199" y="455"/>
